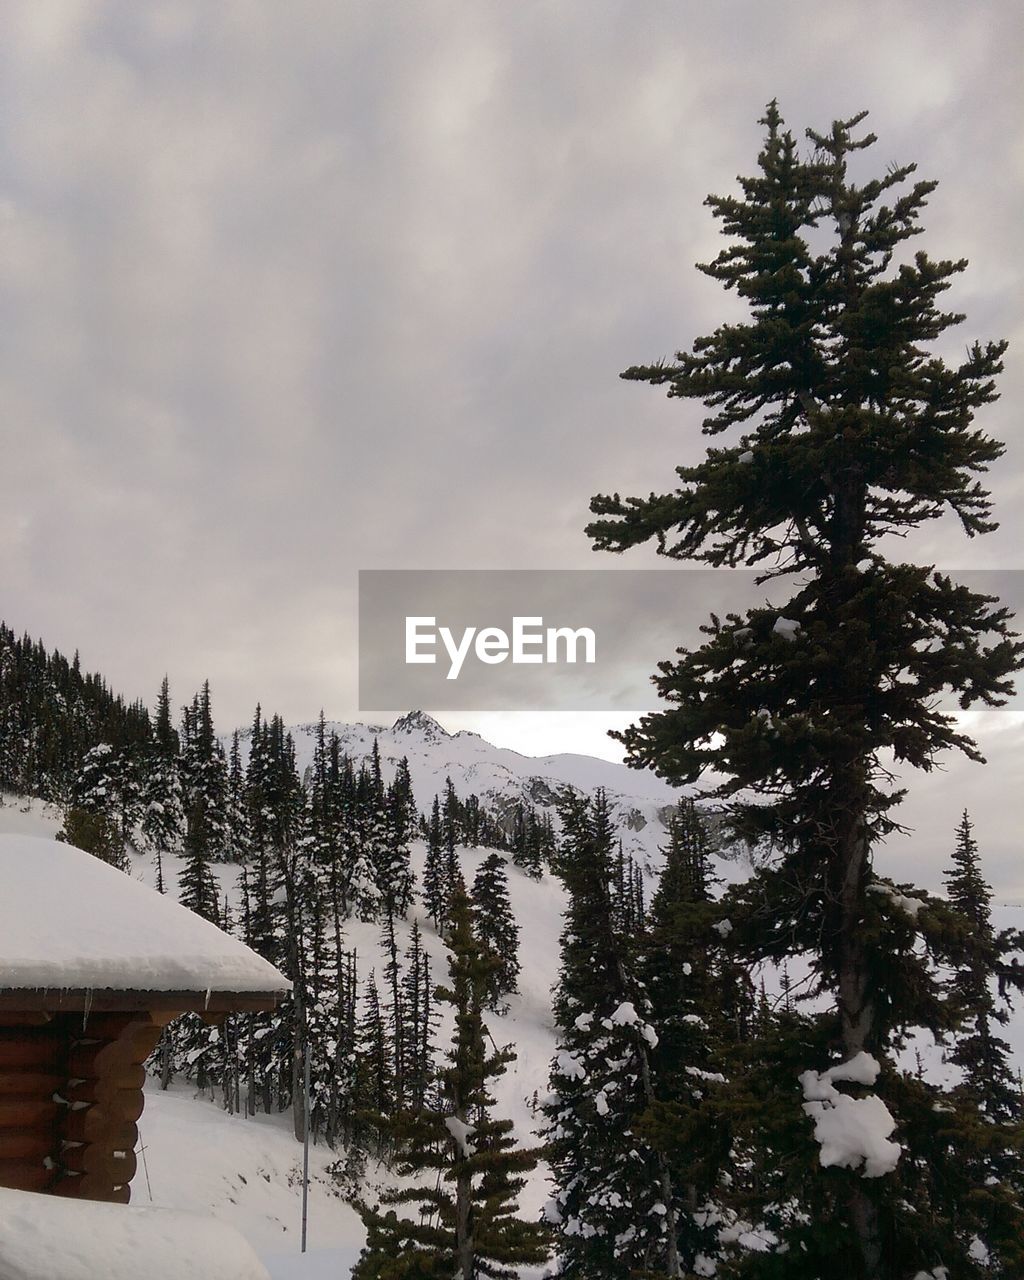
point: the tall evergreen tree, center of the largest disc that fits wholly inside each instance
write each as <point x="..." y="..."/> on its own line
<point x="393" y="875"/>
<point x="236" y="817"/>
<point x="197" y="886"/>
<point x="163" y="815"/>
<point x="982" y="1054"/>
<point x="204" y="777"/>
<point x="376" y="1079"/>
<point x="496" y="928"/>
<point x="467" y="1224"/>
<point x="850" y="430"/>
<point x="434" y="870"/>
<point x="527" y="841"/>
<point x="420" y="1020"/>
<point x="614" y="1207"/>
<point x="450" y="830"/>
<point x="684" y="978"/>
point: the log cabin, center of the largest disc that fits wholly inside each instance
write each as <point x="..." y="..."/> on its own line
<point x="93" y="965"/>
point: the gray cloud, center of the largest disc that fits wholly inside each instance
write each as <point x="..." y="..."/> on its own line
<point x="293" y="290"/>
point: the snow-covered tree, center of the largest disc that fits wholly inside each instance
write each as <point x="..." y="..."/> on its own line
<point x="613" y="1209"/>
<point x="162" y="811"/>
<point x="197" y="886"/>
<point x="467" y="1222"/>
<point x="848" y="429"/>
<point x="689" y="992"/>
<point x="93" y="820"/>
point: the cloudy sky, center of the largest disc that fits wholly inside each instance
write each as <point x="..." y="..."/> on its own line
<point x="294" y="290"/>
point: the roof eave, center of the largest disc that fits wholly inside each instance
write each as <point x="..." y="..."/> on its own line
<point x="111" y="1000"/>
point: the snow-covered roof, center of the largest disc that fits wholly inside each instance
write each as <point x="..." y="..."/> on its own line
<point x="45" y="1237"/>
<point x="69" y="922"/>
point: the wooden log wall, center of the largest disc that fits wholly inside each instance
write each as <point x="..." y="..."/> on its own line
<point x="70" y="1100"/>
<point x="31" y="1071"/>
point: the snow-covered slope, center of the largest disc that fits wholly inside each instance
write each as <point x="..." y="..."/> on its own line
<point x="247" y="1171"/>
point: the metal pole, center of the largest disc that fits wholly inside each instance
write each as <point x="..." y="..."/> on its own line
<point x="305" y="1145"/>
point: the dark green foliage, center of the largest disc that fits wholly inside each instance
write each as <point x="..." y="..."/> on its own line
<point x="978" y="1049"/>
<point x="376" y="1071"/>
<point x="197" y="887"/>
<point x="203" y="770"/>
<point x="608" y="1180"/>
<point x="691" y="989"/>
<point x="532" y="840"/>
<point x="162" y="823"/>
<point x="450" y="832"/>
<point x="52" y="714"/>
<point x="628" y="899"/>
<point x="235" y="815"/>
<point x="467" y="1221"/>
<point x="419" y="1023"/>
<point x="393" y="875"/>
<point x="97" y="834"/>
<point x="496" y="928"/>
<point x="850" y="430"/>
<point x="434" y="878"/>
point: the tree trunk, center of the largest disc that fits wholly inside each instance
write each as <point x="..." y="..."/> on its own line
<point x="857" y="1012"/>
<point x="464" y="1254"/>
<point x="165" y="1058"/>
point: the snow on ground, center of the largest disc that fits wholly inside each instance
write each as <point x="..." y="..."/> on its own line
<point x="46" y="1237"/>
<point x="247" y="1171"/>
<point x="527" y="1025"/>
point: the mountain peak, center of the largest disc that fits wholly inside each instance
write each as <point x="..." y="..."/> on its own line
<point x="419" y="723"/>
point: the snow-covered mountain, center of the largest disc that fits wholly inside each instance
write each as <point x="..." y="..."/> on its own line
<point x="638" y="799"/>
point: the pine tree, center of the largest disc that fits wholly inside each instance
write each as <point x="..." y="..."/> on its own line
<point x="376" y="1080"/>
<point x="496" y="928"/>
<point x="532" y="840"/>
<point x="163" y="817"/>
<point x="467" y="1223"/>
<point x="93" y="819"/>
<point x="434" y="878"/>
<point x="684" y="978"/>
<point x="978" y="1050"/>
<point x="236" y="817"/>
<point x="420" y="1020"/>
<point x="204" y="777"/>
<point x="394" y="878"/>
<point x="614" y="1207"/>
<point x="850" y="430"/>
<point x="197" y="887"/>
<point x="450" y="830"/>
<point x="395" y="1019"/>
